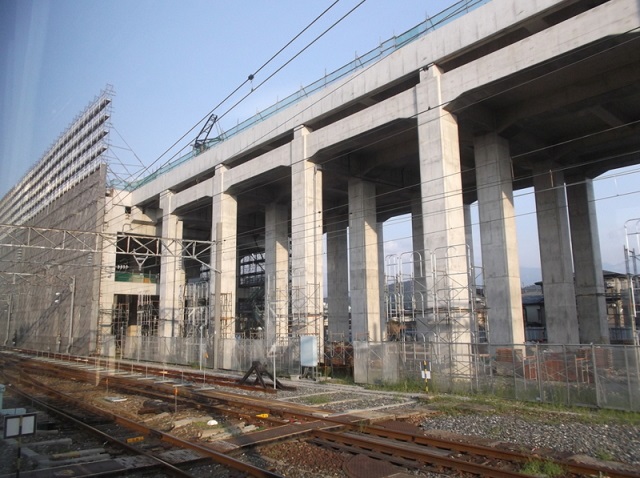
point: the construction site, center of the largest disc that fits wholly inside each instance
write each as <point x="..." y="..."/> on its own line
<point x="265" y="242"/>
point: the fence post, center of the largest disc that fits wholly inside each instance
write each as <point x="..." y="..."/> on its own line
<point x="566" y="372"/>
<point x="474" y="360"/>
<point x="539" y="372"/>
<point x="626" y="366"/>
<point x="513" y="365"/>
<point x="596" y="382"/>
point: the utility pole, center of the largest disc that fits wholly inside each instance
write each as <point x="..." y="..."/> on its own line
<point x="71" y="307"/>
<point x="218" y="290"/>
<point x="6" y="340"/>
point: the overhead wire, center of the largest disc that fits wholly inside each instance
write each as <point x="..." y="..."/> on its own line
<point x="260" y="68"/>
<point x="519" y="84"/>
<point x="525" y="153"/>
<point x="455" y="9"/>
<point x="247" y="80"/>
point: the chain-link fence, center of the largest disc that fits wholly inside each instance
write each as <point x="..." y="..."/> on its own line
<point x="236" y="354"/>
<point x="606" y="376"/>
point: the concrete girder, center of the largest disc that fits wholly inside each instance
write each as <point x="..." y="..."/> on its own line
<point x="536" y="51"/>
<point x="567" y="101"/>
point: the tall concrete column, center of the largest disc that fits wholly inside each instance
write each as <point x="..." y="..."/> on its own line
<point x="277" y="270"/>
<point x="442" y="210"/>
<point x="364" y="269"/>
<point x="337" y="281"/>
<point x="589" y="281"/>
<point x="306" y="240"/>
<point x="555" y="255"/>
<point x="224" y="226"/>
<point x="171" y="271"/>
<point x="499" y="242"/>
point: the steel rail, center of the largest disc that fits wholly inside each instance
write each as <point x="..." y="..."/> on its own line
<point x="172" y="469"/>
<point x="359" y="425"/>
<point x="424" y="456"/>
<point x="188" y="395"/>
<point x="197" y="377"/>
<point x="166" y="437"/>
<point x="491" y="452"/>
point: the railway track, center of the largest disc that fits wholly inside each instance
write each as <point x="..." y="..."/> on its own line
<point x="416" y="451"/>
<point x="135" y="457"/>
<point x="389" y="441"/>
<point x="150" y="370"/>
<point x="109" y="426"/>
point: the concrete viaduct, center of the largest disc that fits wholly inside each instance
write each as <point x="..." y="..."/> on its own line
<point x="514" y="94"/>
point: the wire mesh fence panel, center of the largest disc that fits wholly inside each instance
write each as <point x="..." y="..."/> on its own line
<point x="617" y="377"/>
<point x="606" y="376"/>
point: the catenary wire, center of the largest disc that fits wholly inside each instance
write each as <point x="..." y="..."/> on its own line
<point x="550" y="146"/>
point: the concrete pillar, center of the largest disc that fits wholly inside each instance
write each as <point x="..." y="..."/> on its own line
<point x="338" y="281"/>
<point x="276" y="270"/>
<point x="224" y="226"/>
<point x="589" y="281"/>
<point x="499" y="241"/>
<point x="171" y="271"/>
<point x="306" y="240"/>
<point x="363" y="262"/>
<point x="555" y="255"/>
<point x="442" y="210"/>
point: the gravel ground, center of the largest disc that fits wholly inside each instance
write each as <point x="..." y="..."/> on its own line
<point x="566" y="437"/>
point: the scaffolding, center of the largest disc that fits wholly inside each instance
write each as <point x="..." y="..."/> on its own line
<point x="147" y="315"/>
<point x="421" y="293"/>
<point x="196" y="311"/>
<point x="70" y="159"/>
<point x="306" y="310"/>
<point x="227" y="319"/>
<point x="251" y="295"/>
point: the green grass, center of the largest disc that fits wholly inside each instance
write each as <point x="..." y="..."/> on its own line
<point x="203" y="425"/>
<point x="608" y="416"/>
<point x="405" y="386"/>
<point x="604" y="455"/>
<point x="543" y="468"/>
<point x="342" y="380"/>
<point x="317" y="399"/>
<point x="529" y="411"/>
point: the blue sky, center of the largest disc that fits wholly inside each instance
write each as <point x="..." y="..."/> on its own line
<point x="171" y="61"/>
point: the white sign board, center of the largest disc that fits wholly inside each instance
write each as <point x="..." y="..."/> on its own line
<point x="19" y="425"/>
